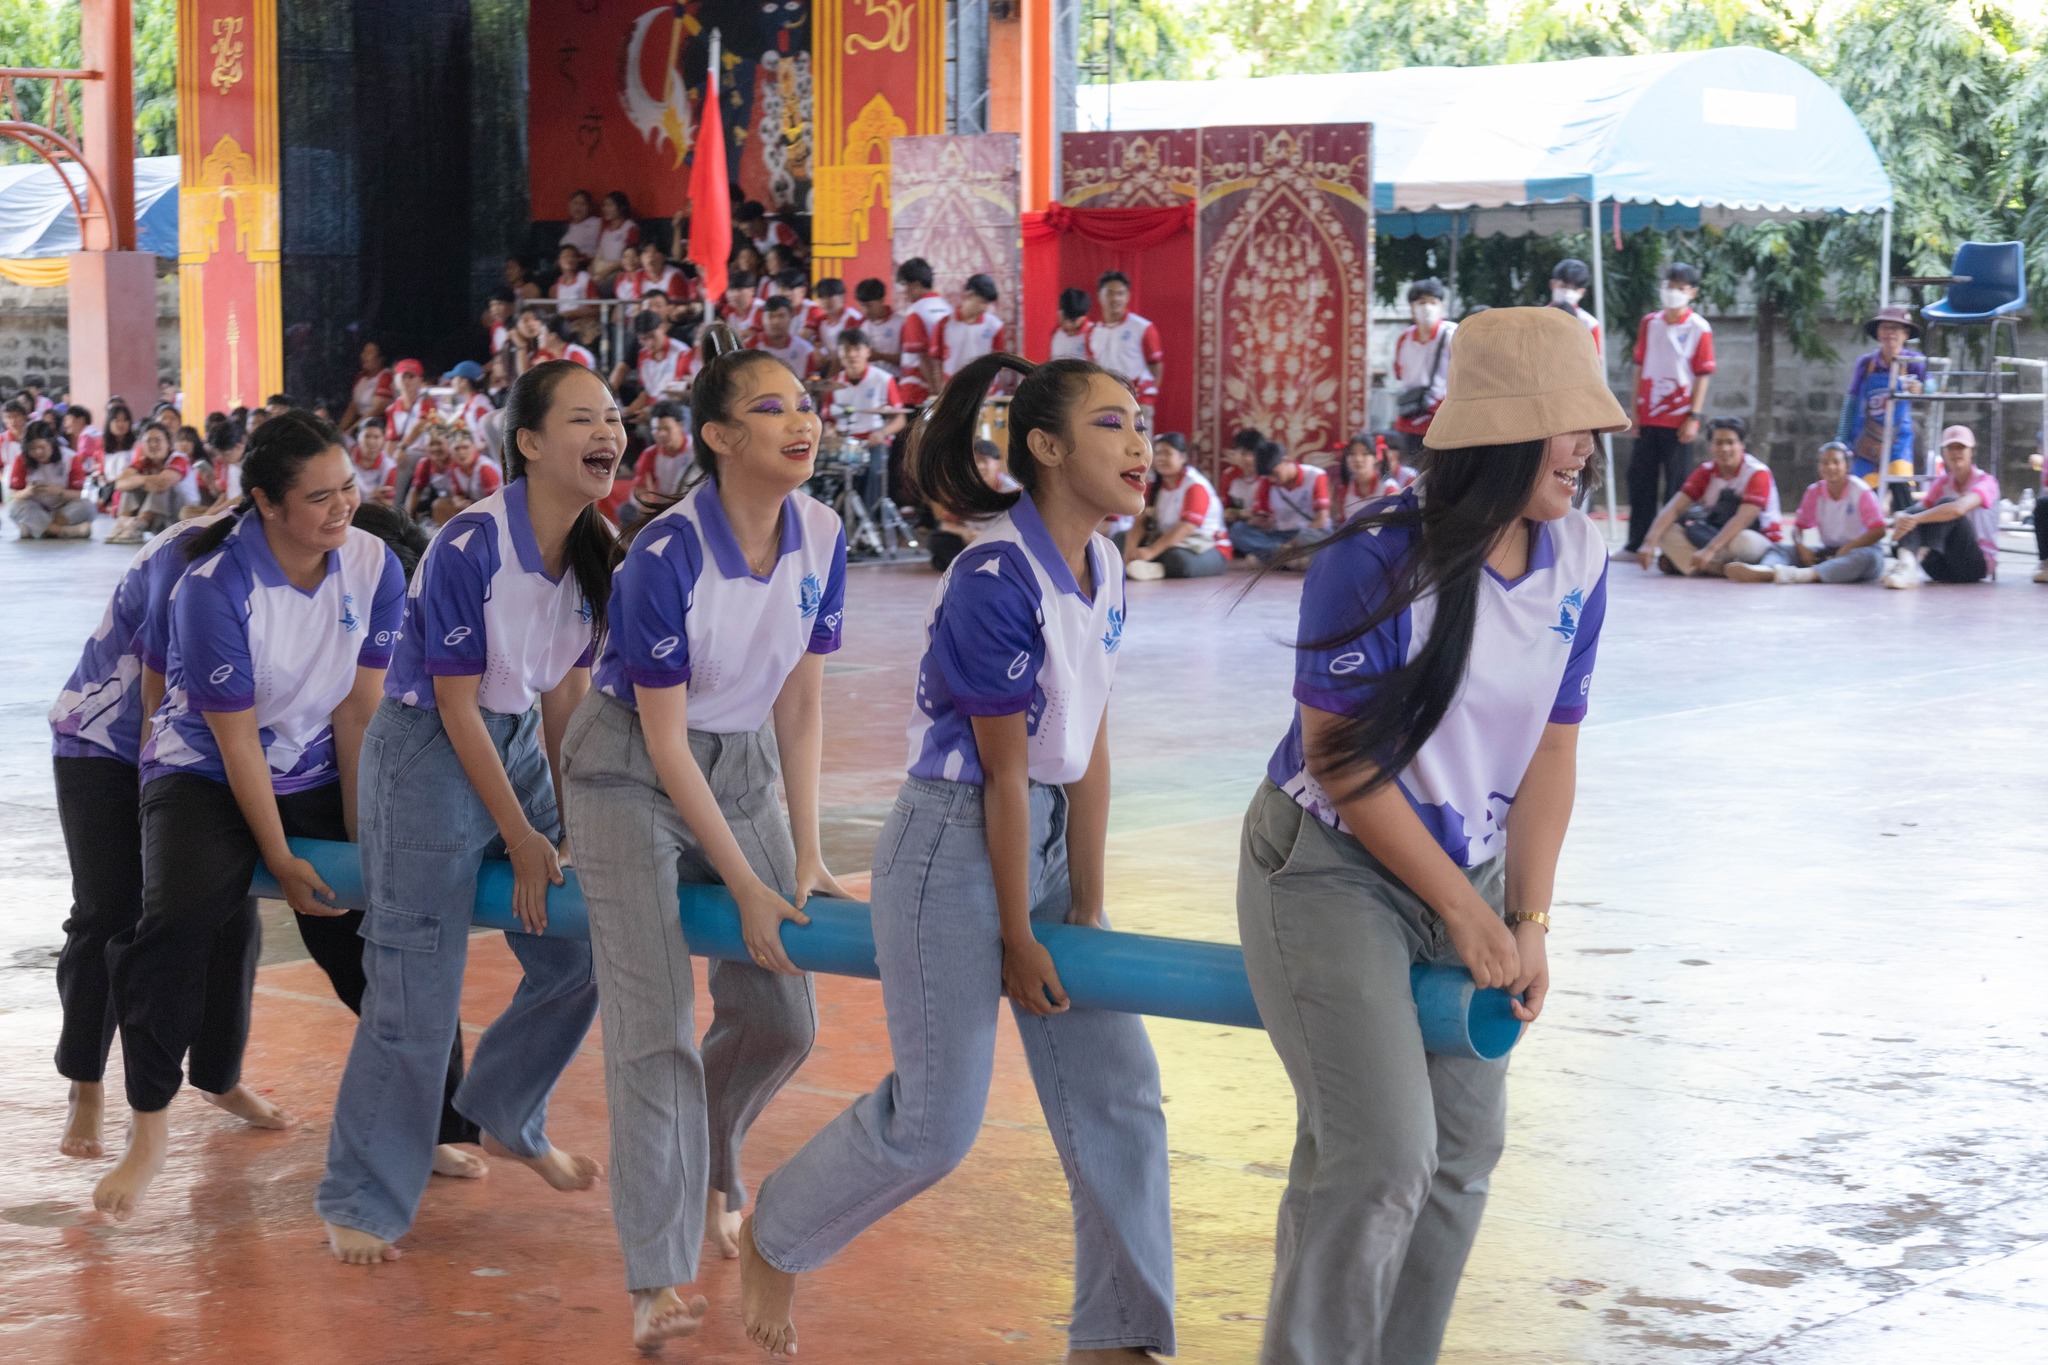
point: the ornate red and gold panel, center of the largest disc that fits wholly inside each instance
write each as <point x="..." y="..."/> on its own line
<point x="1283" y="283"/>
<point x="954" y="201"/>
<point x="231" y="319"/>
<point x="880" y="69"/>
<point x="1128" y="170"/>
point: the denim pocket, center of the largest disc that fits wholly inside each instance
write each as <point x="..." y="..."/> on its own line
<point x="891" y="841"/>
<point x="402" y="929"/>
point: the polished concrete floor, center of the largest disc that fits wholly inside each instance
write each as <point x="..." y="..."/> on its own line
<point x="1787" y="1104"/>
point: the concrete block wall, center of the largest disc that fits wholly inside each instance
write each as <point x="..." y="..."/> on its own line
<point x="35" y="330"/>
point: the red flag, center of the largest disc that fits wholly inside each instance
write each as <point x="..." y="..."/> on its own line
<point x="710" y="199"/>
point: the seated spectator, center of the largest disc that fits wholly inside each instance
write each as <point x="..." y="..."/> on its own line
<point x="1845" y="514"/>
<point x="572" y="288"/>
<point x="1070" y="333"/>
<point x="970" y="333"/>
<point x="778" y="261"/>
<point x="376" y="471"/>
<point x="562" y="344"/>
<point x="835" y="315"/>
<point x="583" y="227"/>
<point x="1422" y="355"/>
<point x="373" y="388"/>
<point x="497" y="319"/>
<point x="472" y="477"/>
<point x="749" y="260"/>
<point x="84" y="439"/>
<point x="46" y="487"/>
<point x="795" y="286"/>
<point x="467" y="406"/>
<point x="1181" y="534"/>
<point x="498" y="381"/>
<point x="1953" y="536"/>
<point x="278" y="403"/>
<point x="519" y="280"/>
<point x="1240" y="477"/>
<point x="862" y="406"/>
<point x="659" y="274"/>
<point x="528" y="343"/>
<point x="411" y="410"/>
<point x="1291" y="506"/>
<point x="1872" y="381"/>
<point x="39" y="403"/>
<point x="659" y="479"/>
<point x="1726" y="512"/>
<point x="617" y="234"/>
<point x="626" y="281"/>
<point x="778" y="338"/>
<point x="217" y="477"/>
<point x="15" y="416"/>
<point x="754" y="225"/>
<point x="953" y="534"/>
<point x="663" y="365"/>
<point x="151" y="488"/>
<point x="880" y="322"/>
<point x="1371" y="472"/>
<point x="736" y="309"/>
<point x="118" y="436"/>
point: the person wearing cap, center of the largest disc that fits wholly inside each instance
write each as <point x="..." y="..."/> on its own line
<point x="1413" y="814"/>
<point x="1952" y="537"/>
<point x="1569" y="281"/>
<point x="468" y="408"/>
<point x="1181" y="535"/>
<point x="1844" y="513"/>
<point x="1725" y="513"/>
<point x="1876" y="376"/>
<point x="411" y="410"/>
<point x="1421" y="356"/>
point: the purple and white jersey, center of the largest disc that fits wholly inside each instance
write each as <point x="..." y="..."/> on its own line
<point x="1010" y="630"/>
<point x="1533" y="645"/>
<point x="244" y="637"/>
<point x="482" y="604"/>
<point x="99" y="712"/>
<point x="686" y="609"/>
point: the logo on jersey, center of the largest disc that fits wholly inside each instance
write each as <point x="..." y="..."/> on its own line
<point x="349" y="620"/>
<point x="1568" y="612"/>
<point x="663" y="648"/>
<point x="1348" y="663"/>
<point x="456" y="636"/>
<point x="992" y="567"/>
<point x="383" y="637"/>
<point x="221" y="674"/>
<point x="1021" y="663"/>
<point x="1114" y="636"/>
<point x="810" y="595"/>
<point x="583" y="611"/>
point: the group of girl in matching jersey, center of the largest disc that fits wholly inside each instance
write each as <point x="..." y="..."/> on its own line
<point x="539" y="690"/>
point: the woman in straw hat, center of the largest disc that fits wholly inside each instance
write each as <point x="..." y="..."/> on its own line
<point x="1414" y="813"/>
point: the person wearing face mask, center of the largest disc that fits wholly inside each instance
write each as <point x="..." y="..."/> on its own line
<point x="1674" y="360"/>
<point x="1421" y="363"/>
<point x="1569" y="280"/>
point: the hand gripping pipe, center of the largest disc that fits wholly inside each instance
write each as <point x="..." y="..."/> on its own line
<point x="1100" y="968"/>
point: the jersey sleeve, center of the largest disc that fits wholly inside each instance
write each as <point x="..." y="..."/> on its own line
<point x="1643" y="339"/>
<point x="1322" y="493"/>
<point x="448" y="610"/>
<point x="825" y="629"/>
<point x="1703" y="354"/>
<point x="1577" y="684"/>
<point x="387" y="616"/>
<point x="1757" y="493"/>
<point x="1695" y="485"/>
<point x="1807" y="518"/>
<point x="1000" y="341"/>
<point x="987" y="642"/>
<point x="1155" y="349"/>
<point x="152" y="581"/>
<point x="75" y="480"/>
<point x="17" y="476"/>
<point x="489" y="479"/>
<point x="1335" y="662"/>
<point x="650" y="607"/>
<point x="210" y="612"/>
<point x="1262" y="496"/>
<point x="1194" y="505"/>
<point x="915" y="338"/>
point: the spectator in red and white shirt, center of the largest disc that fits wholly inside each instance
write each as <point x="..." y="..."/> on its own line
<point x="837" y="316"/>
<point x="924" y="310"/>
<point x="1422" y="364"/>
<point x="778" y="338"/>
<point x="1070" y="333"/>
<point x="882" y="324"/>
<point x="39" y="403"/>
<point x="1953" y="536"/>
<point x="1844" y="513"/>
<point x="616" y="232"/>
<point x="1569" y="280"/>
<point x="150" y="489"/>
<point x="46" y="483"/>
<point x="450" y="476"/>
<point x="584" y="225"/>
<point x="1674" y="360"/>
<point x="662" y="365"/>
<point x="375" y="469"/>
<point x="573" y="286"/>
<point x="626" y="280"/>
<point x="1371" y="472"/>
<point x="15" y="418"/>
<point x="373" y="388"/>
<point x="795" y="286"/>
<point x="563" y="345"/>
<point x="658" y="273"/>
<point x="529" y="342"/>
<point x="1725" y="513"/>
<point x="497" y="320"/>
<point x="217" y="477"/>
<point x="1290" y="509"/>
<point x="468" y="407"/>
<point x="660" y="477"/>
<point x="85" y="441"/>
<point x="754" y="224"/>
<point x="971" y="332"/>
<point x="412" y="409"/>
<point x="1240" y="477"/>
<point x="1125" y="343"/>
<point x="866" y="392"/>
<point x="736" y="309"/>
<point x="1182" y="534"/>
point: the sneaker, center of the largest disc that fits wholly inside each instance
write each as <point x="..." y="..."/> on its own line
<point x="1144" y="570"/>
<point x="1906" y="573"/>
<point x="1752" y="573"/>
<point x="126" y="531"/>
<point x="83" y="532"/>
<point x="2041" y="574"/>
<point x="1791" y="573"/>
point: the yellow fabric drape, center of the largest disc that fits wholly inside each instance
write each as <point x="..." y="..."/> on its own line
<point x="46" y="272"/>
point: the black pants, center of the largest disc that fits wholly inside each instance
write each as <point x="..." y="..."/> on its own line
<point x="99" y="805"/>
<point x="1657" y="456"/>
<point x="198" y="857"/>
<point x="2041" y="528"/>
<point x="1953" y="554"/>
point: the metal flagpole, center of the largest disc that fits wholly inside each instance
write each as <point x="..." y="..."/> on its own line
<point x="1884" y="263"/>
<point x="1600" y="313"/>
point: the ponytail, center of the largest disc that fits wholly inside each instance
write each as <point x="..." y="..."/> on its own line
<point x="941" y="455"/>
<point x="593" y="548"/>
<point x="278" y="451"/>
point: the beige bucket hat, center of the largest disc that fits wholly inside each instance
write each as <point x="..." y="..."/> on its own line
<point x="1522" y="374"/>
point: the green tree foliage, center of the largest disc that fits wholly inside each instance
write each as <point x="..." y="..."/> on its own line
<point x="44" y="33"/>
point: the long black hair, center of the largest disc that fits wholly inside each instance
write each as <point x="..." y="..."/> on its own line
<point x="941" y="458"/>
<point x="715" y="391"/>
<point x="593" y="549"/>
<point x="278" y="451"/>
<point x="1470" y="497"/>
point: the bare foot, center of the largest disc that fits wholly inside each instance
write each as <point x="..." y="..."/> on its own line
<point x="1110" y="1356"/>
<point x="82" y="1130"/>
<point x="659" y="1314"/>
<point x="353" y="1246"/>
<point x="724" y="1224"/>
<point x="564" y="1170"/>
<point x="121" y="1189"/>
<point x="452" y="1161"/>
<point x="766" y="1297"/>
<point x="251" y="1108"/>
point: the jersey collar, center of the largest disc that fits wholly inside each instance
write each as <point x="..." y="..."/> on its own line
<point x="264" y="564"/>
<point x="520" y="519"/>
<point x="725" y="548"/>
<point x="1542" y="555"/>
<point x="1039" y="545"/>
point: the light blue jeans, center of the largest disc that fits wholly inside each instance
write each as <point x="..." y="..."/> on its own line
<point x="424" y="833"/>
<point x="939" y="946"/>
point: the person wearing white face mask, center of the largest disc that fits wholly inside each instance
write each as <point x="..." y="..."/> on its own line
<point x="1569" y="280"/>
<point x="1421" y="358"/>
<point x="1674" y="365"/>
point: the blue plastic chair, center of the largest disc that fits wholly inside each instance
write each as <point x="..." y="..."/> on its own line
<point x="1992" y="284"/>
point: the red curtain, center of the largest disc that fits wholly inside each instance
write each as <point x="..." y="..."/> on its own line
<point x="1066" y="246"/>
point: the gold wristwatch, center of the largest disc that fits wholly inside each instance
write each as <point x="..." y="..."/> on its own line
<point x="1541" y="917"/>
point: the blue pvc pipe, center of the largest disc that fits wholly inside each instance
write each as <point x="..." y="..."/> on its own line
<point x="1100" y="968"/>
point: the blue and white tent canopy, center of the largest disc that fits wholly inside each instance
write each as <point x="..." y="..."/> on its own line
<point x="1725" y="135"/>
<point x="36" y="218"/>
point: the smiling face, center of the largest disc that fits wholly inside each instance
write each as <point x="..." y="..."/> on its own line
<point x="370" y="446"/>
<point x="1959" y="459"/>
<point x="576" y="449"/>
<point x="314" y="515"/>
<point x="1167" y="461"/>
<point x="1101" y="460"/>
<point x="156" y="447"/>
<point x="463" y="449"/>
<point x="772" y="436"/>
<point x="1564" y="459"/>
<point x="1891" y="338"/>
<point x="1726" y="446"/>
<point x="1834" y="469"/>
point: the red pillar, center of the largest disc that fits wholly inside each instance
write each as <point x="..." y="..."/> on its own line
<point x="113" y="286"/>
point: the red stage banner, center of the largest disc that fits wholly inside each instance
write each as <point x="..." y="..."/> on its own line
<point x="880" y="69"/>
<point x="615" y="90"/>
<point x="954" y="202"/>
<point x="231" y="327"/>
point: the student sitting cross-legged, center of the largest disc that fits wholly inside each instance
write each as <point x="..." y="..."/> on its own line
<point x="1725" y="513"/>
<point x="1845" y="513"/>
